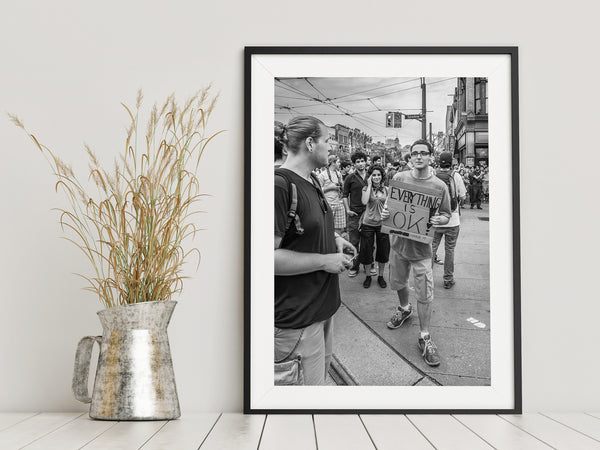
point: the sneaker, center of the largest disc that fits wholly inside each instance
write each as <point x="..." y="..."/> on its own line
<point x="352" y="273"/>
<point x="381" y="282"/>
<point x="429" y="351"/>
<point x="399" y="317"/>
<point x="438" y="260"/>
<point x="374" y="272"/>
<point x="367" y="282"/>
<point x="448" y="284"/>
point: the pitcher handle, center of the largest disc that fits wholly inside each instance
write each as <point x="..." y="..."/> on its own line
<point x="81" y="371"/>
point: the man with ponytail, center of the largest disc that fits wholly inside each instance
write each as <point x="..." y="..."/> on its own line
<point x="309" y="255"/>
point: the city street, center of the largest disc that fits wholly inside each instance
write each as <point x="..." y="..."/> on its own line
<point x="366" y="352"/>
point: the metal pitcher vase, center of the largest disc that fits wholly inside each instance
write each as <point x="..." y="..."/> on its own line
<point x="134" y="377"/>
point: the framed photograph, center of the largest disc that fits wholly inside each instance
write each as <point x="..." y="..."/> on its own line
<point x="382" y="260"/>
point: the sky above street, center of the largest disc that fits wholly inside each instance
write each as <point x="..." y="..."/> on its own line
<point x="363" y="103"/>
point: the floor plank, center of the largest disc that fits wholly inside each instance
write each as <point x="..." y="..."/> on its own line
<point x="235" y="431"/>
<point x="29" y="430"/>
<point x="585" y="424"/>
<point x="499" y="433"/>
<point x="10" y="419"/>
<point x="187" y="432"/>
<point x="552" y="433"/>
<point x="393" y="432"/>
<point x="445" y="432"/>
<point x="289" y="432"/>
<point x="126" y="435"/>
<point x="341" y="431"/>
<point x="73" y="435"/>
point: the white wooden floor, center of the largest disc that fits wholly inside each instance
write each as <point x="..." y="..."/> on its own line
<point x="63" y="431"/>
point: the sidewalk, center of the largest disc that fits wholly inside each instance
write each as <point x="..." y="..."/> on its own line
<point x="372" y="354"/>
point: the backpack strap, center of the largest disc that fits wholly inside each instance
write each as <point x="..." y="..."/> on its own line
<point x="292" y="215"/>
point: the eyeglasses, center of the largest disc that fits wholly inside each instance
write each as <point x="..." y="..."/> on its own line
<point x="421" y="154"/>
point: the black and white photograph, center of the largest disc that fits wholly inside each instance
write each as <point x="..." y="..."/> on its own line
<point x="385" y="327"/>
<point x="385" y="189"/>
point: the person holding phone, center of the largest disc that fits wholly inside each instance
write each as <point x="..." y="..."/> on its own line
<point x="374" y="196"/>
<point x="309" y="255"/>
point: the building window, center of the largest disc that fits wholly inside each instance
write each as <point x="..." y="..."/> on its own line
<point x="481" y="96"/>
<point x="462" y="96"/>
<point x="481" y="137"/>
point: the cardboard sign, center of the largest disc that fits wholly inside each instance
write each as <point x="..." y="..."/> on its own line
<point x="411" y="206"/>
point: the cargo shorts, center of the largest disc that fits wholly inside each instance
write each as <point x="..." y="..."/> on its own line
<point x="422" y="276"/>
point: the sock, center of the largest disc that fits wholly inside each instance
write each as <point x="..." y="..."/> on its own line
<point x="424" y="334"/>
<point x="405" y="308"/>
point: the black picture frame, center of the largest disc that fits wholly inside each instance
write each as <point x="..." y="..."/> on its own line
<point x="254" y="277"/>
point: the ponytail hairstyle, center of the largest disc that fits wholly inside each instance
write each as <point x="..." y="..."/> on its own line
<point x="293" y="135"/>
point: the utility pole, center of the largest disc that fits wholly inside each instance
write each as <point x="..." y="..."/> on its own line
<point x="423" y="109"/>
<point x="430" y="134"/>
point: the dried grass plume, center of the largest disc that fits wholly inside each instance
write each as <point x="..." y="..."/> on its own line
<point x="133" y="228"/>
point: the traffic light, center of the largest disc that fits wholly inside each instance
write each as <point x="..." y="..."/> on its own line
<point x="389" y="120"/>
<point x="397" y="120"/>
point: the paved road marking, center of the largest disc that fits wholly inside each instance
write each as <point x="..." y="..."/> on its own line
<point x="476" y="322"/>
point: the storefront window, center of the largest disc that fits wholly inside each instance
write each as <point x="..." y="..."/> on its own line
<point x="481" y="153"/>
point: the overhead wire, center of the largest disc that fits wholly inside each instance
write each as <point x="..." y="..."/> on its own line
<point x="374" y="89"/>
<point x="345" y="111"/>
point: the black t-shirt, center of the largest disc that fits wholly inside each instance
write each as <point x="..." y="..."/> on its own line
<point x="353" y="186"/>
<point x="301" y="300"/>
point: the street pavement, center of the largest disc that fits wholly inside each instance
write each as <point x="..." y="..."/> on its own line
<point x="366" y="352"/>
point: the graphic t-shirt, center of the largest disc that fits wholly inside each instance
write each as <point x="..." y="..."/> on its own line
<point x="413" y="250"/>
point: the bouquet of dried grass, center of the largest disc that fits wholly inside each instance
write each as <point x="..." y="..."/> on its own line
<point x="132" y="233"/>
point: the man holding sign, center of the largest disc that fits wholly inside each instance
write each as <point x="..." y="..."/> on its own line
<point x="418" y="200"/>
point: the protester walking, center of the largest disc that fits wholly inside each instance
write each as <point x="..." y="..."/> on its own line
<point x="407" y="255"/>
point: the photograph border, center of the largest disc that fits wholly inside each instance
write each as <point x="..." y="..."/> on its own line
<point x="512" y="52"/>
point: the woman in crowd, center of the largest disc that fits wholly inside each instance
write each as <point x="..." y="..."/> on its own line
<point x="373" y="197"/>
<point x="464" y="173"/>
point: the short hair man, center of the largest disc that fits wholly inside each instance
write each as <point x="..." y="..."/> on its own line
<point x="353" y="186"/>
<point x="476" y="181"/>
<point x="450" y="230"/>
<point x="345" y="167"/>
<point x="407" y="255"/>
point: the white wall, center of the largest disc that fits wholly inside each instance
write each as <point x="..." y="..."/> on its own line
<point x="66" y="65"/>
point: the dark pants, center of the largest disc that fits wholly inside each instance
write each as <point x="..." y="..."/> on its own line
<point x="369" y="236"/>
<point x="354" y="236"/>
<point x="476" y="195"/>
<point x="451" y="236"/>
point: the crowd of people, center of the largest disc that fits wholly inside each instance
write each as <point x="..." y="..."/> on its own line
<point x="328" y="220"/>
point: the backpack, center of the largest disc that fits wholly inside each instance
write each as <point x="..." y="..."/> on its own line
<point x="292" y="215"/>
<point x="447" y="176"/>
